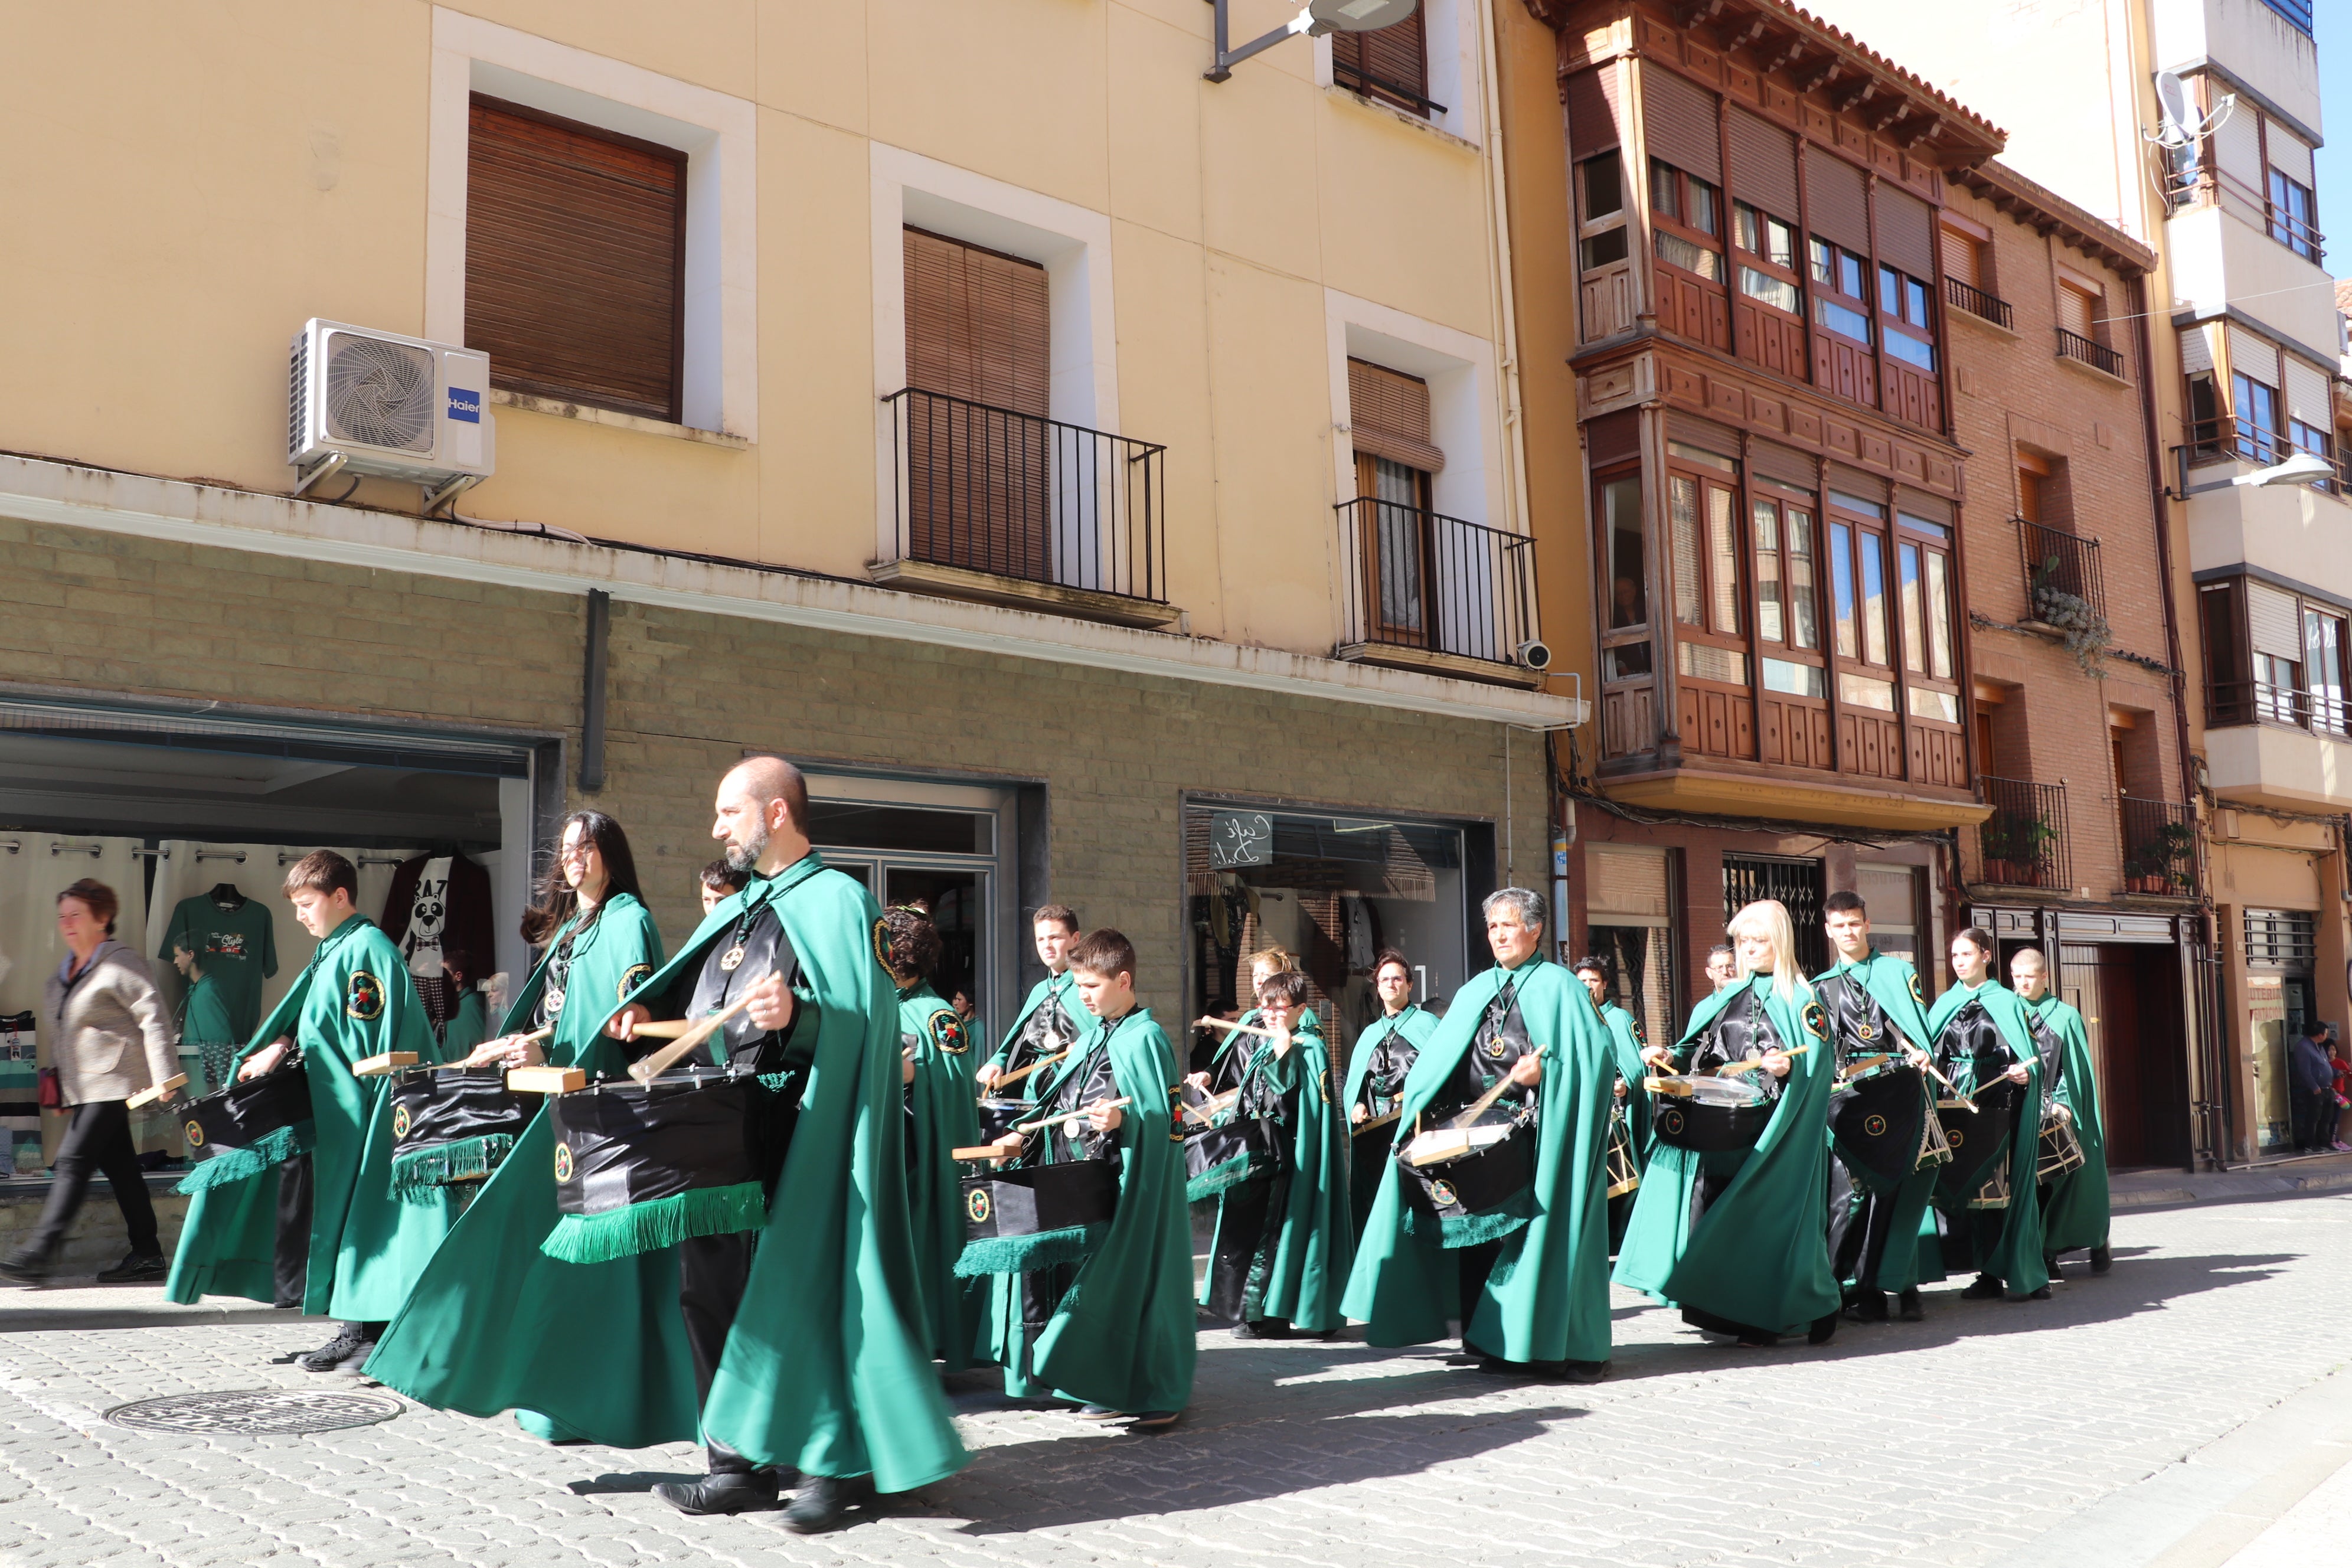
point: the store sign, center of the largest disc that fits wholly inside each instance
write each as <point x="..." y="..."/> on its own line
<point x="1240" y="839"/>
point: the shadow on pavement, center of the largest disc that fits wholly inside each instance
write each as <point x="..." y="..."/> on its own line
<point x="614" y="1483"/>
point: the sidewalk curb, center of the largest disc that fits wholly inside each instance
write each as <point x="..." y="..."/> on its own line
<point x="2238" y="1189"/>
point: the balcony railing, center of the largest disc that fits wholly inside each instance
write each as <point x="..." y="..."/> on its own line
<point x="2159" y="848"/>
<point x="1010" y="494"/>
<point x="1977" y="302"/>
<point x="1358" y="80"/>
<point x="1418" y="579"/>
<point x="2023" y="843"/>
<point x="2227" y="439"/>
<point x="2326" y="712"/>
<point x="2090" y="351"/>
<point x="2062" y="573"/>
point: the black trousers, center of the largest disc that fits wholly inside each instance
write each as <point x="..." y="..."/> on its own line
<point x="713" y="1272"/>
<point x="2308" y="1115"/>
<point x="290" y="1277"/>
<point x="97" y="1140"/>
<point x="1242" y="1230"/>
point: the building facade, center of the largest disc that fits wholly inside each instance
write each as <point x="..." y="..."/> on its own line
<point x="1110" y="494"/>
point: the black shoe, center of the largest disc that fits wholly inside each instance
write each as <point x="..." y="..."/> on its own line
<point x="1155" y="1420"/>
<point x="2101" y="1260"/>
<point x="1500" y="1368"/>
<point x="1907" y="1306"/>
<point x="1756" y="1339"/>
<point x="818" y="1506"/>
<point x="1824" y="1327"/>
<point x="27" y="1266"/>
<point x="1262" y="1328"/>
<point x="350" y="1349"/>
<point x="722" y="1491"/>
<point x="1870" y="1307"/>
<point x="1984" y="1288"/>
<point x="136" y="1269"/>
<point x="1582" y="1371"/>
<point x="2041" y="1295"/>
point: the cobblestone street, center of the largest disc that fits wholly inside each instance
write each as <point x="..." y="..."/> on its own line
<point x="2083" y="1430"/>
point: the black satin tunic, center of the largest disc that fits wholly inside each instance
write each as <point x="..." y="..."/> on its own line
<point x="765" y="948"/>
<point x="1743" y="1029"/>
<point x="1500" y="1041"/>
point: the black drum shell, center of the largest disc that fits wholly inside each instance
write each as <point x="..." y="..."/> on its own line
<point x="244" y="1113"/>
<point x="1476" y="1182"/>
<point x="622" y="1143"/>
<point x="1878" y="1122"/>
<point x="1977" y="1137"/>
<point x="1704" y="1129"/>
<point x="1024" y="1202"/>
<point x="1260" y="1138"/>
<point x="430" y="1108"/>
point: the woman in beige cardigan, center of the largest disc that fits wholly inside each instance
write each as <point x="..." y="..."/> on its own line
<point x="110" y="1037"/>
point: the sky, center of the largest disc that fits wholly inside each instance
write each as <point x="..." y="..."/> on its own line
<point x="2332" y="29"/>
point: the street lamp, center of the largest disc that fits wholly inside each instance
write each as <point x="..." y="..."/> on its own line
<point x="1315" y="19"/>
<point x="2301" y="468"/>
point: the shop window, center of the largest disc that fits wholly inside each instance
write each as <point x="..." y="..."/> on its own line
<point x="1891" y="895"/>
<point x="1630" y="923"/>
<point x="1334" y="891"/>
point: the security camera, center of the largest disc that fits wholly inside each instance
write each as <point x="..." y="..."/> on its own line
<point x="1533" y="654"/>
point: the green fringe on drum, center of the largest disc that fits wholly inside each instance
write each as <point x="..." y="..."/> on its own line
<point x="1233" y="1172"/>
<point x="419" y="1175"/>
<point x="1025" y="1254"/>
<point x="663" y="1222"/>
<point x="1472" y="1229"/>
<point x="273" y="1148"/>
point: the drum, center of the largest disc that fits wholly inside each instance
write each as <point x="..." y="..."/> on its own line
<point x="1978" y="1136"/>
<point x="1994" y="1194"/>
<point x="1707" y="1115"/>
<point x="1624" y="1171"/>
<point x="1038" y="1216"/>
<point x="2062" y="1146"/>
<point x="452" y="1127"/>
<point x="641" y="1166"/>
<point x="1228" y="1154"/>
<point x="1462" y="1173"/>
<point x="1877" y="1119"/>
<point x="997" y="1116"/>
<point x="249" y="1127"/>
<point x="1935" y="1149"/>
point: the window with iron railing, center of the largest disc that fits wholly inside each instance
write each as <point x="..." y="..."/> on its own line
<point x="1425" y="581"/>
<point x="2023" y="843"/>
<point x="2159" y="846"/>
<point x="1977" y="302"/>
<point x="2274" y="657"/>
<point x="2090" y="351"/>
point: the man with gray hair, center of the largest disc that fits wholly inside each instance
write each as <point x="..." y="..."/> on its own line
<point x="1522" y="1267"/>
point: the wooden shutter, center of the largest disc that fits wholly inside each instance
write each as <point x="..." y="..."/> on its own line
<point x="1678" y="117"/>
<point x="2077" y="312"/>
<point x="1593" y="112"/>
<point x="1763" y="165"/>
<point x="1388" y="414"/>
<point x="1906" y="230"/>
<point x="1612" y="438"/>
<point x="576" y="243"/>
<point x="1961" y="258"/>
<point x="978" y="468"/>
<point x="1389" y="63"/>
<point x="1839" y="204"/>
<point x="1799" y="470"/>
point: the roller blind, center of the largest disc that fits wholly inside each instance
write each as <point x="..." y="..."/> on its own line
<point x="1763" y="165"/>
<point x="1394" y="57"/>
<point x="1797" y="469"/>
<point x="1920" y="504"/>
<point x="2272" y="618"/>
<point x="1961" y="258"/>
<point x="2306" y="394"/>
<point x="2238" y="148"/>
<point x="1388" y="416"/>
<point x="2195" y="351"/>
<point x="575" y="242"/>
<point x="1907" y="229"/>
<point x="1679" y="117"/>
<point x="2290" y="154"/>
<point x="2254" y="358"/>
<point x="2077" y="311"/>
<point x="1592" y="112"/>
<point x="1839" y="206"/>
<point x="1620" y="883"/>
<point x="976" y="324"/>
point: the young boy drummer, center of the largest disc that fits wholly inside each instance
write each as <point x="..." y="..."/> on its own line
<point x="1050" y="1020"/>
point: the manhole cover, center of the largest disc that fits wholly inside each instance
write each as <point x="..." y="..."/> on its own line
<point x="257" y="1411"/>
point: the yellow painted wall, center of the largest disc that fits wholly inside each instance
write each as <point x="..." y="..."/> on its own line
<point x="185" y="184"/>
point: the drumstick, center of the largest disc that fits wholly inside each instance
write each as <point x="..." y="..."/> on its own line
<point x="1947" y="1083"/>
<point x="662" y="1028"/>
<point x="1370" y="1122"/>
<point x="1752" y="1063"/>
<point x="1230" y="1025"/>
<point x="670" y="1055"/>
<point x="1485" y="1101"/>
<point x="988" y="1152"/>
<point x="1066" y="1117"/>
<point x="147" y="1095"/>
<point x="476" y="1059"/>
<point x="1033" y="1067"/>
<point x="1207" y="1109"/>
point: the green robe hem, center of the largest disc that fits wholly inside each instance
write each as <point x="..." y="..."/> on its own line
<point x="663" y="1222"/>
<point x="1021" y="1254"/>
<point x="272" y="1149"/>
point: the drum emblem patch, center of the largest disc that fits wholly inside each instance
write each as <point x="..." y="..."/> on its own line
<point x="976" y="1204"/>
<point x="1954" y="1137"/>
<point x="195" y="1131"/>
<point x="1875" y="1126"/>
<point x="1671" y="1120"/>
<point x="399" y="1122"/>
<point x="364" y="998"/>
<point x="1917" y="995"/>
<point x="563" y="1166"/>
<point x="1441" y="1193"/>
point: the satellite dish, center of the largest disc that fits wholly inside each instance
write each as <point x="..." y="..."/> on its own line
<point x="1358" y="15"/>
<point x="2172" y="100"/>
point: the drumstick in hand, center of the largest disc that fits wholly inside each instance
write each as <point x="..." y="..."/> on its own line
<point x="483" y="1054"/>
<point x="1066" y="1117"/>
<point x="670" y="1055"/>
<point x="1025" y="1072"/>
<point x="1228" y="1025"/>
<point x="1752" y="1063"/>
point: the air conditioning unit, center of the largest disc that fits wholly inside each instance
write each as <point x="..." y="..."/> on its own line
<point x="364" y="401"/>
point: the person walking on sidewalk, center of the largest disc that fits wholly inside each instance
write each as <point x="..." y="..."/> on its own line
<point x="110" y="1037"/>
<point x="2310" y="1080"/>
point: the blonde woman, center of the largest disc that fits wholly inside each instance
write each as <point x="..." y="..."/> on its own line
<point x="1734" y="1237"/>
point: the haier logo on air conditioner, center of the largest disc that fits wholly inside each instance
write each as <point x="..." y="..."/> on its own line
<point x="365" y="402"/>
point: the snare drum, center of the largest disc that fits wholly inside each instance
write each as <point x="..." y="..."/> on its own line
<point x="641" y="1166"/>
<point x="1229" y="1154"/>
<point x="997" y="1117"/>
<point x="249" y="1127"/>
<point x="1624" y="1171"/>
<point x="2062" y="1147"/>
<point x="1037" y="1216"/>
<point x="1994" y="1194"/>
<point x="452" y="1127"/>
<point x="1976" y="1135"/>
<point x="1876" y="1117"/>
<point x="1458" y="1172"/>
<point x="1707" y="1115"/>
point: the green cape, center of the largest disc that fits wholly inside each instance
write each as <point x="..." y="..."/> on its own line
<point x="2013" y="1256"/>
<point x="354" y="1001"/>
<point x="1124" y="1333"/>
<point x="466" y="1028"/>
<point x="1547" y="1298"/>
<point x="1368" y="1152"/>
<point x="1895" y="986"/>
<point x="1310" y="1244"/>
<point x="1625" y="1044"/>
<point x="1065" y="984"/>
<point x="828" y="1367"/>
<point x="2078" y="1212"/>
<point x="1007" y="1340"/>
<point x="1415" y="1023"/>
<point x="1760" y="1255"/>
<point x="943" y="1110"/>
<point x="494" y="1324"/>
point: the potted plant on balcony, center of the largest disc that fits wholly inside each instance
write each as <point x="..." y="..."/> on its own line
<point x="2085" y="630"/>
<point x="2012" y="843"/>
